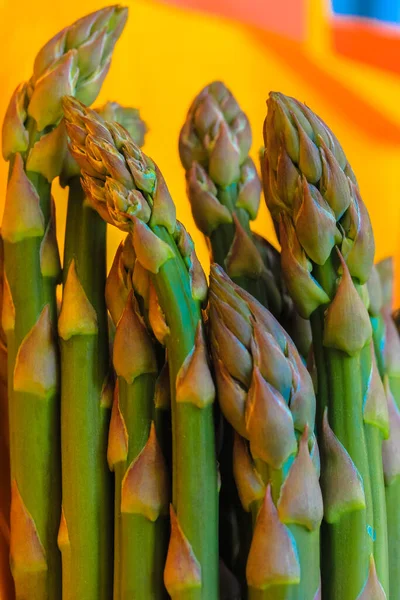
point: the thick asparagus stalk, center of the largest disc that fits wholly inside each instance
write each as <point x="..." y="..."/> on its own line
<point x="327" y="253"/>
<point x="266" y="393"/>
<point x="224" y="188"/>
<point x="6" y="582"/>
<point x="85" y="390"/>
<point x="128" y="190"/>
<point x="134" y="453"/>
<point x="75" y="61"/>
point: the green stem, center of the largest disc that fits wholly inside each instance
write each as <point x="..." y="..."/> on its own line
<point x="195" y="497"/>
<point x="87" y="497"/>
<point x="326" y="278"/>
<point x="378" y="336"/>
<point x="348" y="545"/>
<point x="87" y="488"/>
<point x="322" y="391"/>
<point x="394" y="384"/>
<point x="274" y="592"/>
<point x="374" y="438"/>
<point x="35" y="453"/>
<point x="85" y="241"/>
<point x="393" y="516"/>
<point x="140" y="544"/>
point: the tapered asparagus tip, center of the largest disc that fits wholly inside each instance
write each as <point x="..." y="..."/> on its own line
<point x="216" y="134"/>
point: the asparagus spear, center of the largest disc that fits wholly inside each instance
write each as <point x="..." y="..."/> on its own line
<point x="134" y="453"/>
<point x="224" y="188"/>
<point x="390" y="348"/>
<point x="128" y="190"/>
<point x="85" y="389"/>
<point x="6" y="582"/>
<point x="327" y="253"/>
<point x="266" y="393"/>
<point x="391" y="345"/>
<point x="75" y="61"/>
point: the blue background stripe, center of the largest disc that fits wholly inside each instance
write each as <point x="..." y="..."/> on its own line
<point x="383" y="10"/>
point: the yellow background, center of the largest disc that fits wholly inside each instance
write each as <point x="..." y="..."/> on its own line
<point x="166" y="55"/>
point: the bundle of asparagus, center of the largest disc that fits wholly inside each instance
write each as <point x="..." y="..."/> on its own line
<point x="112" y="452"/>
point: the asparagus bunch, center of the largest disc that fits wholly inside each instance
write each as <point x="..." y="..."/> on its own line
<point x="86" y="389"/>
<point x="266" y="393"/>
<point x="224" y="188"/>
<point x="327" y="255"/>
<point x="74" y="62"/>
<point x="128" y="190"/>
<point x="134" y="452"/>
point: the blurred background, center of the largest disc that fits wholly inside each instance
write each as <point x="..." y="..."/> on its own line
<point x="341" y="57"/>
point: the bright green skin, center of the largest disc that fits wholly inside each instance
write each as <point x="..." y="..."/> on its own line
<point x="349" y="542"/>
<point x="393" y="513"/>
<point x="34" y="422"/>
<point x="195" y="496"/>
<point x="346" y="545"/>
<point x="87" y="483"/>
<point x="392" y="507"/>
<point x="307" y="546"/>
<point x="392" y="491"/>
<point x="374" y="438"/>
<point x="140" y="544"/>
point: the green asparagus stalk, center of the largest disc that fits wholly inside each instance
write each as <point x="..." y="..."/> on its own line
<point x="6" y="582"/>
<point x="85" y="390"/>
<point x="375" y="306"/>
<point x="134" y="453"/>
<point x="128" y="190"/>
<point x="327" y="255"/>
<point x="391" y="347"/>
<point x="224" y="188"/>
<point x="267" y="395"/>
<point x="74" y="62"/>
<point x="391" y="372"/>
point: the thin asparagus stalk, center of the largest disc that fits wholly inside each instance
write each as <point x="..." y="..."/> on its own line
<point x="128" y="190"/>
<point x="87" y="497"/>
<point x="327" y="250"/>
<point x="6" y="581"/>
<point x="375" y="293"/>
<point x="224" y="188"/>
<point x="391" y="348"/>
<point x="134" y="453"/>
<point x="391" y="375"/>
<point x="74" y="62"/>
<point x="267" y="395"/>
